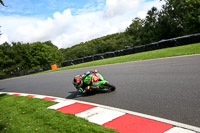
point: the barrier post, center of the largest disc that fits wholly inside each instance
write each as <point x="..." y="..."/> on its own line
<point x="53" y="66"/>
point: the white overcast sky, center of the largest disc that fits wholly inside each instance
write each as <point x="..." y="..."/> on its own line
<point x="68" y="22"/>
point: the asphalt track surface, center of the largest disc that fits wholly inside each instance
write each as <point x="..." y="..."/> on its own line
<point x="168" y="88"/>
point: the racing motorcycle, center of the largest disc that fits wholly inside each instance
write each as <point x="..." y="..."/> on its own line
<point x="96" y="81"/>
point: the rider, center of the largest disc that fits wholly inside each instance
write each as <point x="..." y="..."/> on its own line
<point x="83" y="82"/>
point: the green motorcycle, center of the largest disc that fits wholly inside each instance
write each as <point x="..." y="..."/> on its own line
<point x="92" y="81"/>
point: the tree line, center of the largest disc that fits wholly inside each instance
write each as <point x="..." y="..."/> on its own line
<point x="176" y="18"/>
<point x="19" y="57"/>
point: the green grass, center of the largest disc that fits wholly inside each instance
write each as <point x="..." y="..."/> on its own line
<point x="20" y="114"/>
<point x="161" y="53"/>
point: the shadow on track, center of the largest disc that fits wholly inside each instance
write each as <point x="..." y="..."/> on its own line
<point x="77" y="94"/>
<point x="74" y="94"/>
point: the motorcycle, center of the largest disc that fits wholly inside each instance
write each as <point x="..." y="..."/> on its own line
<point x="97" y="83"/>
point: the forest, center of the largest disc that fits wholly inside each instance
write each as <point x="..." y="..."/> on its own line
<point x="19" y="57"/>
<point x="176" y="18"/>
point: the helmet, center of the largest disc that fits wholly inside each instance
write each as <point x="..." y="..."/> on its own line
<point x="77" y="82"/>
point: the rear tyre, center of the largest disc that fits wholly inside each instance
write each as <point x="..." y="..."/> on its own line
<point x="110" y="87"/>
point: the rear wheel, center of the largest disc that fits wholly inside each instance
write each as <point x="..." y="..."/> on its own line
<point x="110" y="87"/>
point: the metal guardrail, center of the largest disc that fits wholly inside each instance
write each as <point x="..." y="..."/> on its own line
<point x="173" y="42"/>
<point x="31" y="71"/>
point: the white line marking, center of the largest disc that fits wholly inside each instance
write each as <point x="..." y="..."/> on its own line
<point x="178" y="130"/>
<point x="62" y="104"/>
<point x="39" y="96"/>
<point x="58" y="100"/>
<point x="11" y="93"/>
<point x="100" y="115"/>
<point x="23" y="94"/>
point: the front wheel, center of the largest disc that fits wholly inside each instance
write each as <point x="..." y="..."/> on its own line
<point x="110" y="87"/>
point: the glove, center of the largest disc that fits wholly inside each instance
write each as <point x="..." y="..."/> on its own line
<point x="94" y="71"/>
<point x="88" y="88"/>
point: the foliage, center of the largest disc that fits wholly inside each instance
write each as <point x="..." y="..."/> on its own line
<point x="2" y="3"/>
<point x="100" y="45"/>
<point x="176" y="18"/>
<point x="20" y="57"/>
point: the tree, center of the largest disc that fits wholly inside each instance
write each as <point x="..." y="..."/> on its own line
<point x="170" y="22"/>
<point x="2" y="3"/>
<point x="44" y="55"/>
<point x="176" y="18"/>
<point x="21" y="57"/>
<point x="180" y="17"/>
<point x="150" y="26"/>
<point x="136" y="30"/>
<point x="191" y="17"/>
<point x="8" y="64"/>
<point x="49" y="43"/>
<point x="0" y="32"/>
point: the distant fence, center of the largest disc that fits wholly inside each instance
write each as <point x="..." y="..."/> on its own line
<point x="31" y="71"/>
<point x="178" y="41"/>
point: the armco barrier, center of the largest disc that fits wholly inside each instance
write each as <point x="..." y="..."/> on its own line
<point x="139" y="49"/>
<point x="67" y="63"/>
<point x="22" y="73"/>
<point x="119" y="52"/>
<point x="194" y="38"/>
<point x="88" y="58"/>
<point x="166" y="43"/>
<point x="46" y="68"/>
<point x="78" y="61"/>
<point x="128" y="51"/>
<point x="151" y="46"/>
<point x="183" y="40"/>
<point x="98" y="56"/>
<point x="109" y="55"/>
<point x="5" y="76"/>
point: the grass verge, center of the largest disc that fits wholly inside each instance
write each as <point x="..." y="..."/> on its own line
<point x="20" y="114"/>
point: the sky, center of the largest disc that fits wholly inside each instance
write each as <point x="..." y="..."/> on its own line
<point x="68" y="22"/>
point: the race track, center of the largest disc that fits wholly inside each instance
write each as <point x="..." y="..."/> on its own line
<point x="167" y="88"/>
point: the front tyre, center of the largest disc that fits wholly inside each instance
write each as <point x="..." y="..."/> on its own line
<point x="110" y="87"/>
